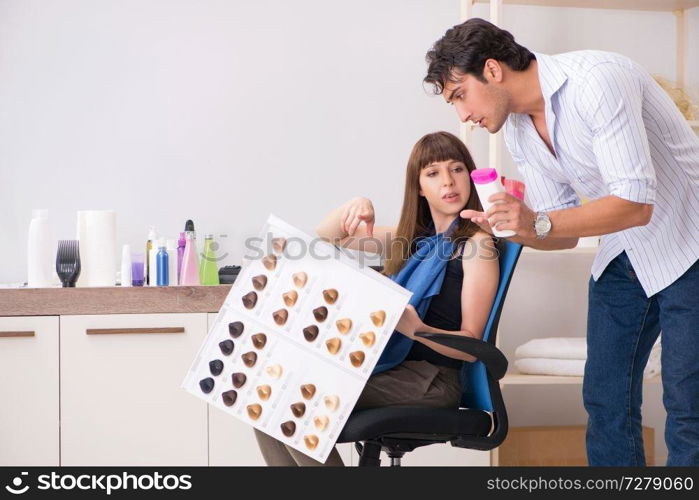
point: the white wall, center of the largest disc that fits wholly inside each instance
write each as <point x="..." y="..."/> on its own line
<point x="219" y="111"/>
<point x="692" y="17"/>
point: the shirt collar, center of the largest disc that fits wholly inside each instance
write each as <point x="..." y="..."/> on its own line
<point x="551" y="75"/>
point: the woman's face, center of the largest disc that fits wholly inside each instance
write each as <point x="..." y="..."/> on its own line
<point x="446" y="185"/>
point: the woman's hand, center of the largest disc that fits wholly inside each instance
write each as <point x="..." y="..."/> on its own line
<point x="410" y="322"/>
<point x="356" y="211"/>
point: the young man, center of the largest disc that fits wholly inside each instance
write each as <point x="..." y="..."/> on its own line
<point x="596" y="124"/>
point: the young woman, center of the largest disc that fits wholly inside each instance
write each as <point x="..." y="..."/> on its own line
<point x="448" y="263"/>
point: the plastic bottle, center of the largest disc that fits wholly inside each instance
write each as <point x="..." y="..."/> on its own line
<point x="514" y="187"/>
<point x="162" y="265"/>
<point x="190" y="261"/>
<point x="171" y="247"/>
<point x="126" y="270"/>
<point x="487" y="182"/>
<point x="209" y="269"/>
<point x="149" y="247"/>
<point x="40" y="257"/>
<point x="138" y="269"/>
<point x="180" y="253"/>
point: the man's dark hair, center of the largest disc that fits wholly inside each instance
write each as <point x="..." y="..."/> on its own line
<point x="465" y="48"/>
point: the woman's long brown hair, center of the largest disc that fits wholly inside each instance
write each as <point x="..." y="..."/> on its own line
<point x="415" y="218"/>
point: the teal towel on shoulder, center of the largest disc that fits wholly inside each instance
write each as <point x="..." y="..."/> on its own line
<point x="423" y="275"/>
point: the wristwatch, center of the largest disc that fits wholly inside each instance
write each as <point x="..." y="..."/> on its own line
<point x="542" y="225"/>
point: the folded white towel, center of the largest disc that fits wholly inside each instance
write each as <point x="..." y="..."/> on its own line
<point x="547" y="366"/>
<point x="575" y="367"/>
<point x="554" y="348"/>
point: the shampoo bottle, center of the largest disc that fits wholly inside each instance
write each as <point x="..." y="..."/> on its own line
<point x="126" y="270"/>
<point x="487" y="182"/>
<point x="171" y="247"/>
<point x="209" y="269"/>
<point x="149" y="247"/>
<point x="180" y="253"/>
<point x="162" y="265"/>
<point x="190" y="261"/>
<point x="40" y="258"/>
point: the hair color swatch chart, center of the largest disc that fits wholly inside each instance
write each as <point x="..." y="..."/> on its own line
<point x="296" y="339"/>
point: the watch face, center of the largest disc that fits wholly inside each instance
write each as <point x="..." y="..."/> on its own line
<point x="543" y="225"/>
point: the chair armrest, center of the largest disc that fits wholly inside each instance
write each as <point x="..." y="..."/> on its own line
<point x="494" y="360"/>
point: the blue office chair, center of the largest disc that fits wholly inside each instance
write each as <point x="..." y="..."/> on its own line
<point x="481" y="421"/>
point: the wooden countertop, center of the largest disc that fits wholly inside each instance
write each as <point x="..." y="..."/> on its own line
<point x="111" y="300"/>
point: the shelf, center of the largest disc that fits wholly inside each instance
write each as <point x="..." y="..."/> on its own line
<point x="523" y="379"/>
<point x="112" y="300"/>
<point x="652" y="5"/>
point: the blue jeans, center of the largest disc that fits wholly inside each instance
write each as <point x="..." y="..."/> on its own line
<point x="622" y="325"/>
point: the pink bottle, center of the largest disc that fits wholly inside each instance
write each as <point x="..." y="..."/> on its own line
<point x="513" y="187"/>
<point x="189" y="274"/>
<point x="181" y="243"/>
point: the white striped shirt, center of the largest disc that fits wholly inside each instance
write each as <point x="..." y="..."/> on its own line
<point x="614" y="132"/>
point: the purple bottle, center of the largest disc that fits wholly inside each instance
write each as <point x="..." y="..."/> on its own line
<point x="180" y="253"/>
<point x="137" y="271"/>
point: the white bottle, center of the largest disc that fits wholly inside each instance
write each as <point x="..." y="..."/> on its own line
<point x="153" y="264"/>
<point x="40" y="257"/>
<point x="487" y="182"/>
<point x="126" y="265"/>
<point x="171" y="247"/>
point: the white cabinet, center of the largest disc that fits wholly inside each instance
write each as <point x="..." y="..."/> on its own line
<point x="121" y="401"/>
<point x="29" y="391"/>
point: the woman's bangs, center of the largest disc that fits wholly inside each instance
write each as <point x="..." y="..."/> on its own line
<point x="436" y="148"/>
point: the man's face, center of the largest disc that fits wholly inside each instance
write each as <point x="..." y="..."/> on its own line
<point x="485" y="104"/>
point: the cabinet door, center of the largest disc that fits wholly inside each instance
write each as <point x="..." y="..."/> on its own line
<point x="29" y="391"/>
<point x="232" y="442"/>
<point x="121" y="401"/>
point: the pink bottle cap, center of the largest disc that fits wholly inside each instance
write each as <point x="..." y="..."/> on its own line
<point x="484" y="175"/>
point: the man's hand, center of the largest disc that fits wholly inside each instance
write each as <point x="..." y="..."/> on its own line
<point x="507" y="212"/>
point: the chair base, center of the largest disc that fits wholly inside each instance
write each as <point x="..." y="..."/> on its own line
<point x="370" y="451"/>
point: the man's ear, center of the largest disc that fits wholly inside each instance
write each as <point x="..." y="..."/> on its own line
<point x="492" y="70"/>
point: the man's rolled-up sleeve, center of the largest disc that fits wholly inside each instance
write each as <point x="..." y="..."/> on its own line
<point x="611" y="104"/>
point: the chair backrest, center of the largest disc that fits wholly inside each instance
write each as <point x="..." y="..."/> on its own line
<point x="474" y="377"/>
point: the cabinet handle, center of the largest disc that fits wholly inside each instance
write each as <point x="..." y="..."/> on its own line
<point x="16" y="334"/>
<point x="111" y="331"/>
